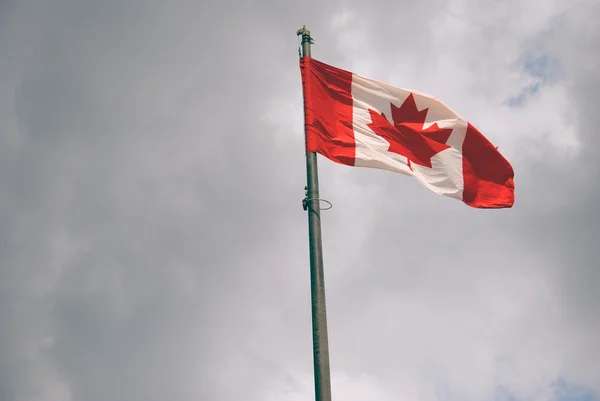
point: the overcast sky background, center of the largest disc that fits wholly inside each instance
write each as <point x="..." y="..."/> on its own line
<point x="152" y="241"/>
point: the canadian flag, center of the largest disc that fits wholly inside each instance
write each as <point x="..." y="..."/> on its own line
<point x="361" y="122"/>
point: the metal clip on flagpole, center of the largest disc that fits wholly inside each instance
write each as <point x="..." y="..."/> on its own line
<point x="317" y="281"/>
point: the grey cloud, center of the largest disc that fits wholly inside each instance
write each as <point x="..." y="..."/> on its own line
<point x="152" y="243"/>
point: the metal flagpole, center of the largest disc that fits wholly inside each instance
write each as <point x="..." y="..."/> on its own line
<point x="317" y="284"/>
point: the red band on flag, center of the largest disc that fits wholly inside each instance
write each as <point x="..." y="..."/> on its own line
<point x="328" y="111"/>
<point x="488" y="176"/>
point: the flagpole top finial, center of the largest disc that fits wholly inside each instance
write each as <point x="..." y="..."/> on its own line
<point x="305" y="35"/>
<point x="303" y="31"/>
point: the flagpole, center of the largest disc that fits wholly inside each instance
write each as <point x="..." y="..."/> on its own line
<point x="317" y="283"/>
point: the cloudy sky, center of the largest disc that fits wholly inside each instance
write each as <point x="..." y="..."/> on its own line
<point x="152" y="241"/>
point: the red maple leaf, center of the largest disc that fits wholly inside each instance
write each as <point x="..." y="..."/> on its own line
<point x="407" y="136"/>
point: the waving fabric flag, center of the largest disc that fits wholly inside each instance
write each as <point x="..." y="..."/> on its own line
<point x="361" y="122"/>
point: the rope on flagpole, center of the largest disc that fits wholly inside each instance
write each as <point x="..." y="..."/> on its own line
<point x="307" y="199"/>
